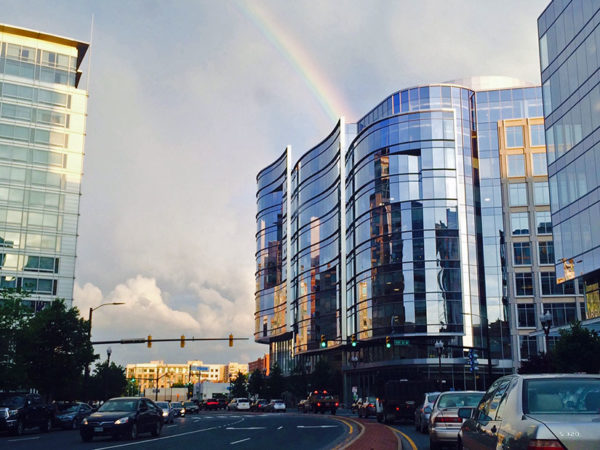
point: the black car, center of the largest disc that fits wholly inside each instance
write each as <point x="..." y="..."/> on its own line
<point x="212" y="404"/>
<point x="259" y="405"/>
<point x="123" y="416"/>
<point x="24" y="410"/>
<point x="190" y="408"/>
<point x="70" y="415"/>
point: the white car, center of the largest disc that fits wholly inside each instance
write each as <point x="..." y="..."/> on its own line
<point x="239" y="404"/>
<point x="275" y="406"/>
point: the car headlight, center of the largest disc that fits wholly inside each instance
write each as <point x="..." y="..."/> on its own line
<point x="13" y="412"/>
<point x="122" y="420"/>
<point x="84" y="421"/>
<point x="165" y="413"/>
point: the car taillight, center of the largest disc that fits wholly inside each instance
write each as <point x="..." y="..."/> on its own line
<point x="544" y="444"/>
<point x="318" y="404"/>
<point x="337" y="404"/>
<point x="448" y="419"/>
<point x="397" y="408"/>
<point x="370" y="405"/>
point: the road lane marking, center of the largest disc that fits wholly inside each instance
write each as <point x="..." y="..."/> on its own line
<point x="350" y="439"/>
<point x="317" y="426"/>
<point x="24" y="439"/>
<point x="170" y="437"/>
<point x="410" y="441"/>
<point x="237" y="442"/>
<point x="246" y="428"/>
<point x="280" y="427"/>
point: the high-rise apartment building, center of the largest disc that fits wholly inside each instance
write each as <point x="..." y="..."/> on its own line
<point x="420" y="223"/>
<point x="569" y="38"/>
<point x="42" y="129"/>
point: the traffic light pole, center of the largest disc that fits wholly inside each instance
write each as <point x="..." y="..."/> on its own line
<point x="145" y="340"/>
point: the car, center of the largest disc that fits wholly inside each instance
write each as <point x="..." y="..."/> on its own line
<point x="444" y="422"/>
<point x="259" y="405"/>
<point x="70" y="415"/>
<point x="168" y="411"/>
<point x="239" y="404"/>
<point x="355" y="405"/>
<point x="423" y="412"/>
<point x="551" y="411"/>
<point x="190" y="408"/>
<point x="19" y="410"/>
<point x="366" y="408"/>
<point x="123" y="416"/>
<point x="211" y="404"/>
<point x="275" y="405"/>
<point x="303" y="406"/>
<point x="222" y="403"/>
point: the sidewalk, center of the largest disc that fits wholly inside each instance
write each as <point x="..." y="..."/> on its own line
<point x="375" y="436"/>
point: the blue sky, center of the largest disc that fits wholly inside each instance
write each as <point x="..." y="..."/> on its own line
<point x="188" y="100"/>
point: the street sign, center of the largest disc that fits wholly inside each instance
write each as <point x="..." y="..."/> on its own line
<point x="401" y="342"/>
<point x="354" y="389"/>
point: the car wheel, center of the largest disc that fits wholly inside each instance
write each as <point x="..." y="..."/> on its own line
<point x="434" y="445"/>
<point x="459" y="445"/>
<point x="156" y="430"/>
<point x="133" y="432"/>
<point x="19" y="428"/>
<point x="46" y="426"/>
<point x="74" y="424"/>
<point x="417" y="426"/>
<point x="86" y="437"/>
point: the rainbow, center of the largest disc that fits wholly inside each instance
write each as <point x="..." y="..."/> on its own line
<point x="322" y="89"/>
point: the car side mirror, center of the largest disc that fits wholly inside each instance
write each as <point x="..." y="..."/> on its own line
<point x="427" y="409"/>
<point x="465" y="413"/>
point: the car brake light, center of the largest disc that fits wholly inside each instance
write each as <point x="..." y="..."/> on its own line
<point x="544" y="444"/>
<point x="318" y="404"/>
<point x="370" y="405"/>
<point x="448" y="419"/>
<point x="337" y="404"/>
<point x="397" y="408"/>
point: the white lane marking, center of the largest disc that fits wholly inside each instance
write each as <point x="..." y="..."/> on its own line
<point x="246" y="428"/>
<point x="237" y="442"/>
<point x="24" y="439"/>
<point x="317" y="426"/>
<point x="280" y="427"/>
<point x="169" y="437"/>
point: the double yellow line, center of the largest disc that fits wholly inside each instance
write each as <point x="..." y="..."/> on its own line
<point x="405" y="436"/>
<point x="350" y="439"/>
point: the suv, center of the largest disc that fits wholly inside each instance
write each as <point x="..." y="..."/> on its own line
<point x="21" y="410"/>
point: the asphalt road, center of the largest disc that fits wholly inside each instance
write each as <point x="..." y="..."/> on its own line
<point x="210" y="429"/>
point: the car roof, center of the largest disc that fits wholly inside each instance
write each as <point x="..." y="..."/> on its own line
<point x="558" y="375"/>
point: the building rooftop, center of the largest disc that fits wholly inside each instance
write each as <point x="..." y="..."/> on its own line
<point x="491" y="83"/>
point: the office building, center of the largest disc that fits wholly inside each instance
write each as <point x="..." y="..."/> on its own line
<point x="42" y="129"/>
<point x="569" y="42"/>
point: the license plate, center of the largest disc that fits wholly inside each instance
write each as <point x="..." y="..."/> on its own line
<point x="98" y="429"/>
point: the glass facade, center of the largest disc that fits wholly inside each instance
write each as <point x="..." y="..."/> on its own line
<point x="569" y="37"/>
<point x="42" y="128"/>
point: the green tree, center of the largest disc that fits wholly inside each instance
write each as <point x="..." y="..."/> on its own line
<point x="108" y="381"/>
<point x="577" y="350"/>
<point x="275" y="382"/>
<point x="542" y="363"/>
<point x="14" y="316"/>
<point x="256" y="383"/>
<point x="55" y="350"/>
<point x="238" y="386"/>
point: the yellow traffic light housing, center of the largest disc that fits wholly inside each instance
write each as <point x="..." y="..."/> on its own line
<point x="323" y="341"/>
<point x="231" y="340"/>
<point x="182" y="341"/>
<point x="353" y="341"/>
<point x="388" y="342"/>
<point x="149" y="341"/>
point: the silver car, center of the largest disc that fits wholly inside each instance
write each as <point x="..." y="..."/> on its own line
<point x="423" y="412"/>
<point x="535" y="411"/>
<point x="444" y="422"/>
<point x="168" y="412"/>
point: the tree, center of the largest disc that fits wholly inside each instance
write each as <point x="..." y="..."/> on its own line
<point x="577" y="350"/>
<point x="542" y="363"/>
<point x="108" y="381"/>
<point x="275" y="382"/>
<point x="256" y="383"/>
<point x="14" y="316"/>
<point x="238" y="387"/>
<point x="56" y="349"/>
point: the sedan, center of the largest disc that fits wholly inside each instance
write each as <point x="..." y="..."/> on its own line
<point x="123" y="416"/>
<point x="275" y="406"/>
<point x="444" y="422"/>
<point x="423" y="412"/>
<point x="259" y="405"/>
<point x="190" y="407"/>
<point x="70" y="415"/>
<point x="239" y="404"/>
<point x="211" y="404"/>
<point x="168" y="411"/>
<point x="367" y="407"/>
<point x="552" y="411"/>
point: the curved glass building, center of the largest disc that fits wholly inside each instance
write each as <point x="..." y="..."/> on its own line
<point x="398" y="234"/>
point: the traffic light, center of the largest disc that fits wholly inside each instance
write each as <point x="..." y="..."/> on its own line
<point x="133" y="379"/>
<point x="149" y="341"/>
<point x="472" y="360"/>
<point x="182" y="341"/>
<point x="231" y="340"/>
<point x="388" y="342"/>
<point x="353" y="342"/>
<point x="323" y="341"/>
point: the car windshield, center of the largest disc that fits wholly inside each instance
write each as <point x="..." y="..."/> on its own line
<point x="188" y="404"/>
<point x="458" y="400"/>
<point x="370" y="399"/>
<point x="164" y="405"/>
<point x="12" y="401"/>
<point x="69" y="409"/>
<point x="119" y="405"/>
<point x="243" y="400"/>
<point x="561" y="396"/>
<point x="432" y="398"/>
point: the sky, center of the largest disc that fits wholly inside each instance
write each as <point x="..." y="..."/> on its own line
<point x="189" y="100"/>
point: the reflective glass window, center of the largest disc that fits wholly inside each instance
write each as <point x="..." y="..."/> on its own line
<point x="543" y="222"/>
<point x="541" y="194"/>
<point x="536" y="133"/>
<point x="517" y="194"/>
<point x="519" y="223"/>
<point x="516" y="165"/>
<point x="538" y="163"/>
<point x="562" y="313"/>
<point x="514" y="136"/>
<point x="528" y="346"/>
<point x="522" y="253"/>
<point x="550" y="287"/>
<point x="526" y="315"/>
<point x="523" y="284"/>
<point x="546" y="252"/>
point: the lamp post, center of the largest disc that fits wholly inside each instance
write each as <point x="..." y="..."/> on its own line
<point x="546" y="321"/>
<point x="439" y="346"/>
<point x="108" y="353"/>
<point x="94" y="309"/>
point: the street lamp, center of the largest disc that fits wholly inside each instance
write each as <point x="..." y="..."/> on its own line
<point x="108" y="353"/>
<point x="94" y="309"/>
<point x="439" y="346"/>
<point x="546" y="321"/>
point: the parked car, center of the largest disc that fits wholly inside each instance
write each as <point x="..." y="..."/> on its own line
<point x="444" y="422"/>
<point x="190" y="408"/>
<point x="211" y="404"/>
<point x="303" y="406"/>
<point x="423" y="412"/>
<point x="123" y="416"/>
<point x="168" y="411"/>
<point x="222" y="403"/>
<point x="19" y="411"/>
<point x="259" y="405"/>
<point x="70" y="415"/>
<point x="239" y="404"/>
<point x="535" y="411"/>
<point x="275" y="406"/>
<point x="366" y="408"/>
